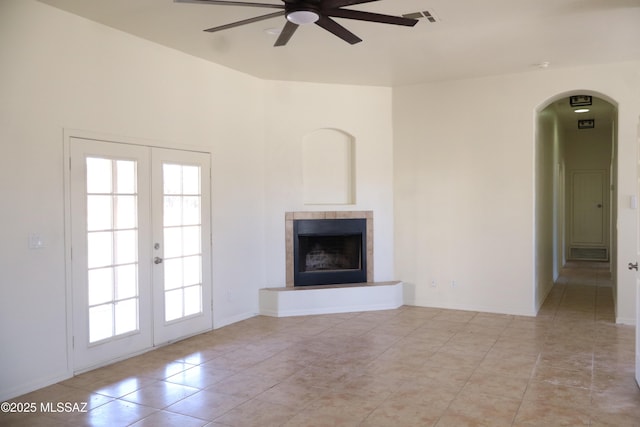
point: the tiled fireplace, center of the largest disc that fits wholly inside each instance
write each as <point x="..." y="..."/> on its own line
<point x="322" y="257"/>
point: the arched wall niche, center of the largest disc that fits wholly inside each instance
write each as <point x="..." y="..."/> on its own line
<point x="328" y="167"/>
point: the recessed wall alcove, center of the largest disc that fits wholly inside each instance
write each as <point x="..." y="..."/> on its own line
<point x="328" y="167"/>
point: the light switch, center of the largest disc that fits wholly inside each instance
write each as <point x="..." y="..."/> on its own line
<point x="35" y="241"/>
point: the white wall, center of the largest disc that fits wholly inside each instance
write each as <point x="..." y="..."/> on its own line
<point x="560" y="208"/>
<point x="459" y="171"/>
<point x="588" y="149"/>
<point x="293" y="110"/>
<point x="61" y="72"/>
<point x="546" y="164"/>
<point x="465" y="179"/>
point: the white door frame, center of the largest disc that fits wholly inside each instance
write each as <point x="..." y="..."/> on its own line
<point x="68" y="134"/>
<point x="635" y="205"/>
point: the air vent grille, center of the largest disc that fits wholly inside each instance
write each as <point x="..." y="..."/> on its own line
<point x="590" y="254"/>
<point x="425" y="14"/>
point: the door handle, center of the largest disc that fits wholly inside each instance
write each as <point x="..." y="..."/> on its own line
<point x="158" y="260"/>
<point x="633" y="266"/>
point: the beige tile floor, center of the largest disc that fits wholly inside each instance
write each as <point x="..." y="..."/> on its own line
<point x="569" y="366"/>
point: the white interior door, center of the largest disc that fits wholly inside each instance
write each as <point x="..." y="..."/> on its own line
<point x="140" y="245"/>
<point x="588" y="212"/>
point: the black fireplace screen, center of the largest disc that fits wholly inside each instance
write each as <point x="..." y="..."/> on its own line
<point x="329" y="251"/>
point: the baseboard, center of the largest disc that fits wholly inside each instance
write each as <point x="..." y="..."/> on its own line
<point x="225" y="321"/>
<point x="626" y="321"/>
<point x="32" y="386"/>
<point x="477" y="308"/>
<point x="541" y="301"/>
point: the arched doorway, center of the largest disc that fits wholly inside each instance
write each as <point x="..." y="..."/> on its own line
<point x="576" y="167"/>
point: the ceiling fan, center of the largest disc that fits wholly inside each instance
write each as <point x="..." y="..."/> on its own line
<point x="301" y="12"/>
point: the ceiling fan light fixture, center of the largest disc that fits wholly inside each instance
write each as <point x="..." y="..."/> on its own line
<point x="273" y="31"/>
<point x="302" y="17"/>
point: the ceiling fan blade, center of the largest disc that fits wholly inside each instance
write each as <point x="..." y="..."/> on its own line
<point x="330" y="4"/>
<point x="338" y="30"/>
<point x="244" y="21"/>
<point x="232" y="3"/>
<point x="286" y="33"/>
<point x="371" y="17"/>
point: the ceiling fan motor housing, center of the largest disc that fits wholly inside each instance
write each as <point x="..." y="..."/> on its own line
<point x="302" y="13"/>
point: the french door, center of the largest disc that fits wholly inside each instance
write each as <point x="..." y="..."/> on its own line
<point x="140" y="238"/>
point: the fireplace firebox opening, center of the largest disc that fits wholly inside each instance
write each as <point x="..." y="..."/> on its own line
<point x="329" y="251"/>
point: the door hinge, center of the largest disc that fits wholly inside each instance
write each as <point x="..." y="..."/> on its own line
<point x="73" y="342"/>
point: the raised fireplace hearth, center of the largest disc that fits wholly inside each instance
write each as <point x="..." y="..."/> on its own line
<point x="329" y="248"/>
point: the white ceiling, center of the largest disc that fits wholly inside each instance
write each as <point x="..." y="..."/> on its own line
<point x="472" y="38"/>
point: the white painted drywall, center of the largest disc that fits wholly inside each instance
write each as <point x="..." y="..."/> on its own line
<point x="465" y="185"/>
<point x="327" y="168"/>
<point x="461" y="174"/>
<point x="63" y="72"/>
<point x="546" y="148"/>
<point x="293" y="110"/>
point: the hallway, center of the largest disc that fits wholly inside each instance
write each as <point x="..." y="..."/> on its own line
<point x="583" y="339"/>
<point x="414" y="366"/>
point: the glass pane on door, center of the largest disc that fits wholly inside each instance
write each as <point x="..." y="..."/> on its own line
<point x="182" y="231"/>
<point x="112" y="248"/>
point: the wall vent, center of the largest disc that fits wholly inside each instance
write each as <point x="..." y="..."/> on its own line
<point x="589" y="254"/>
<point x="429" y="16"/>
